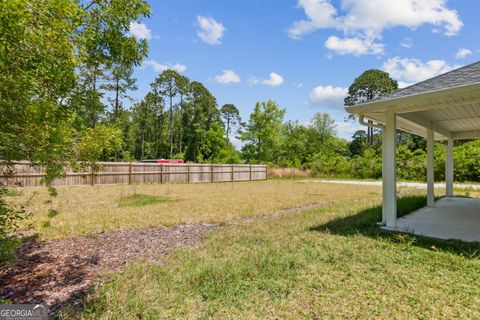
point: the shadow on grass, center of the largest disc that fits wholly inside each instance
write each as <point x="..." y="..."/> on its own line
<point x="365" y="223"/>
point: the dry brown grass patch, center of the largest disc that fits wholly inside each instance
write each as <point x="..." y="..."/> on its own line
<point x="85" y="210"/>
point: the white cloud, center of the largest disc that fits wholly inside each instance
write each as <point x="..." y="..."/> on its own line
<point x="320" y="13"/>
<point x="462" y="53"/>
<point x="414" y="70"/>
<point x="403" y="84"/>
<point x="328" y="97"/>
<point x="274" y="81"/>
<point x="140" y="31"/>
<point x="254" y="80"/>
<point x="367" y="19"/>
<point x="211" y="31"/>
<point x="346" y="129"/>
<point x="227" y="77"/>
<point x="406" y="43"/>
<point x="160" y="67"/>
<point x="355" y="46"/>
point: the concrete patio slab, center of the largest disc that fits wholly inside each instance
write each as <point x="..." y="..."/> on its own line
<point x="450" y="218"/>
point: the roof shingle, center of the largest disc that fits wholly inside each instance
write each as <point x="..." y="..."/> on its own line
<point x="465" y="75"/>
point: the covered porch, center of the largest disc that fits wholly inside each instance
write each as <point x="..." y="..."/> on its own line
<point x="443" y="108"/>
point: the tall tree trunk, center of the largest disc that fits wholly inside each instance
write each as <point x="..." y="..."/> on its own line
<point x="116" y="110"/>
<point x="181" y="123"/>
<point x="117" y="107"/>
<point x="143" y="144"/>
<point x="228" y="128"/>
<point x="170" y="128"/>
<point x="94" y="111"/>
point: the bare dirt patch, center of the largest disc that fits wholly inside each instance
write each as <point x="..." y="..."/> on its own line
<point x="59" y="272"/>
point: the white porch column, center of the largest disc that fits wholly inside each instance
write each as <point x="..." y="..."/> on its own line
<point x="384" y="173"/>
<point x="430" y="168"/>
<point x="389" y="170"/>
<point x="449" y="168"/>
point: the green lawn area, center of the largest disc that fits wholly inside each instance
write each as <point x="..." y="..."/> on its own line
<point x="326" y="263"/>
<point x="87" y="210"/>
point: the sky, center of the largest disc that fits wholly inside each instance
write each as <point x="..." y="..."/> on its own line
<point x="304" y="54"/>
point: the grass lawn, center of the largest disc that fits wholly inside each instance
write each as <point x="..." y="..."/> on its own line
<point x="87" y="210"/>
<point x="330" y="262"/>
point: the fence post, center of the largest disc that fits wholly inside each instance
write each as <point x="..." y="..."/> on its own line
<point x="92" y="176"/>
<point x="266" y="172"/>
<point x="161" y="173"/>
<point x="232" y="172"/>
<point x="211" y="173"/>
<point x="250" y="173"/>
<point x="130" y="173"/>
<point x="188" y="172"/>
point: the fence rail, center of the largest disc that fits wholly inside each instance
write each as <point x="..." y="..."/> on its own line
<point x="27" y="175"/>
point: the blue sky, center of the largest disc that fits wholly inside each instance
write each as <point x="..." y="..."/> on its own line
<point x="304" y="54"/>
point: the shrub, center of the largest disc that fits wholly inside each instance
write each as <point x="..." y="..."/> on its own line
<point x="10" y="216"/>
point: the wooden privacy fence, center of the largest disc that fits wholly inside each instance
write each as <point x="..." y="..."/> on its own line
<point x="27" y="175"/>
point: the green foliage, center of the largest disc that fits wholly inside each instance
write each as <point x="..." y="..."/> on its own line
<point x="231" y="118"/>
<point x="53" y="55"/>
<point x="98" y="141"/>
<point x="227" y="154"/>
<point x="369" y="165"/>
<point x="262" y="133"/>
<point x="467" y="161"/>
<point x="52" y="213"/>
<point x="13" y="193"/>
<point x="358" y="144"/>
<point x="140" y="200"/>
<point x="370" y="85"/>
<point x="10" y="219"/>
<point x="324" y="127"/>
<point x="295" y="145"/>
<point x="411" y="165"/>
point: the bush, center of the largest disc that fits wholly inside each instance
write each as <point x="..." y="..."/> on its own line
<point x="10" y="216"/>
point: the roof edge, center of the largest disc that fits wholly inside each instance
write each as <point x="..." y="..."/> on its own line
<point x="374" y="105"/>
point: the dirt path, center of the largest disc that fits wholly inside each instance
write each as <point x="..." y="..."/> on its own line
<point x="59" y="272"/>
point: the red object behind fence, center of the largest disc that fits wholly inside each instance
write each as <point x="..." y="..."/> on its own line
<point x="166" y="161"/>
<point x="170" y="161"/>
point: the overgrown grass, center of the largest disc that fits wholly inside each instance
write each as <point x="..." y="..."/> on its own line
<point x="140" y="200"/>
<point x="86" y="210"/>
<point x="13" y="193"/>
<point x="327" y="263"/>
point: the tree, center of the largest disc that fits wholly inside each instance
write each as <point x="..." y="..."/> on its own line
<point x="370" y="85"/>
<point x="358" y="144"/>
<point x="296" y="145"/>
<point x="168" y="85"/>
<point x="262" y="133"/>
<point x="231" y="118"/>
<point x="324" y="126"/>
<point x="105" y="46"/>
<point x="97" y="141"/>
<point x="52" y="54"/>
<point x="37" y="74"/>
<point x="120" y="82"/>
<point x="202" y="113"/>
